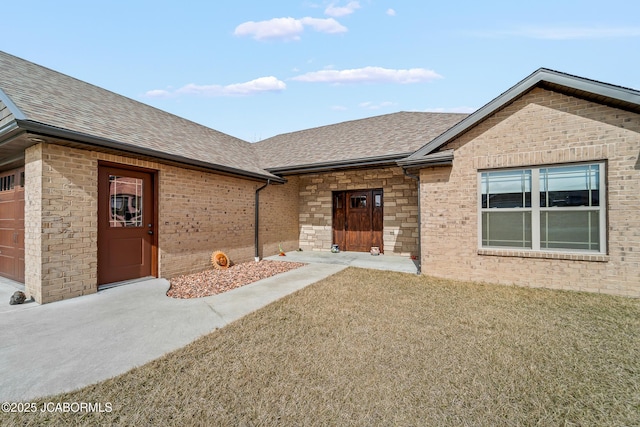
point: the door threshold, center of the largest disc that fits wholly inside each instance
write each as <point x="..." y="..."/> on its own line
<point x="124" y="282"/>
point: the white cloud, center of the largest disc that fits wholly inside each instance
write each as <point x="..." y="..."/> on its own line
<point x="370" y="75"/>
<point x="376" y="106"/>
<point x="391" y="12"/>
<point x="339" y="108"/>
<point x="566" y="32"/>
<point x="337" y="11"/>
<point x="259" y="85"/>
<point x="276" y="28"/>
<point x="287" y="28"/>
<point x="157" y="93"/>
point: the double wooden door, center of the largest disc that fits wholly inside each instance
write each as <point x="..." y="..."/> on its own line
<point x="357" y="220"/>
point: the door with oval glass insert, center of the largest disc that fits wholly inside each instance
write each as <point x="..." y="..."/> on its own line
<point x="126" y="224"/>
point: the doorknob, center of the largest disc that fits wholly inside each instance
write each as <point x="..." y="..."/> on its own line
<point x="150" y="232"/>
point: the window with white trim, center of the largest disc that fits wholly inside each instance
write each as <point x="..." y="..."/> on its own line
<point x="558" y="208"/>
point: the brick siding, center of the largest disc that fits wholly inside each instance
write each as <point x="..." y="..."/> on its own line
<point x="60" y="223"/>
<point x="279" y="217"/>
<point x="199" y="212"/>
<point x="541" y="128"/>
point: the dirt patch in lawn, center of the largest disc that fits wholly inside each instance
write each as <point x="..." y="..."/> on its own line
<point x="212" y="282"/>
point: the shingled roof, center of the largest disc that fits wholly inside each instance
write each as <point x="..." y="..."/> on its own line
<point x="48" y="101"/>
<point x="369" y="141"/>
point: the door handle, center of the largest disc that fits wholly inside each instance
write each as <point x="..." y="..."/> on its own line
<point x="149" y="232"/>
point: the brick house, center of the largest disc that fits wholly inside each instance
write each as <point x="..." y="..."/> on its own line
<point x="540" y="187"/>
<point x="96" y="188"/>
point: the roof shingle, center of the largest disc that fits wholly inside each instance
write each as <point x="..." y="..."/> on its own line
<point x="379" y="136"/>
<point x="58" y="101"/>
<point x="48" y="97"/>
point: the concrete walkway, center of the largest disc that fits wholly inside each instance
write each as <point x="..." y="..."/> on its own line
<point x="353" y="259"/>
<point x="53" y="348"/>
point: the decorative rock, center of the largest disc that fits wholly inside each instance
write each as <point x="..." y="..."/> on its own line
<point x="18" y="297"/>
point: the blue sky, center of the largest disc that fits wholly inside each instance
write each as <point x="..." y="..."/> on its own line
<point x="255" y="69"/>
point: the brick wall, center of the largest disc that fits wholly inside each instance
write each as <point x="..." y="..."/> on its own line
<point x="199" y="212"/>
<point x="60" y="223"/>
<point x="541" y="128"/>
<point x="202" y="212"/>
<point x="279" y="217"/>
<point x="400" y="205"/>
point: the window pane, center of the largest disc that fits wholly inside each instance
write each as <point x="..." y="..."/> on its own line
<point x="570" y="230"/>
<point x="358" y="202"/>
<point x="508" y="189"/>
<point x="510" y="229"/>
<point x="570" y="186"/>
<point x="338" y="202"/>
<point x="126" y="201"/>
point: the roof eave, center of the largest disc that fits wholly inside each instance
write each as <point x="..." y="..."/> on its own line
<point x="444" y="158"/>
<point x="91" y="140"/>
<point x="361" y="163"/>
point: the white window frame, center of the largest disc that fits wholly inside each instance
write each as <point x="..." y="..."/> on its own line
<point x="536" y="210"/>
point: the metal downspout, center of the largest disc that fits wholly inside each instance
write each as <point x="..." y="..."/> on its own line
<point x="417" y="178"/>
<point x="257" y="220"/>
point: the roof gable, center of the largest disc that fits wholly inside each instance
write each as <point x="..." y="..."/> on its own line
<point x="617" y="96"/>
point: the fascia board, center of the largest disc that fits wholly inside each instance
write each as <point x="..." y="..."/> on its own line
<point x="348" y="164"/>
<point x="116" y="145"/>
<point x="436" y="159"/>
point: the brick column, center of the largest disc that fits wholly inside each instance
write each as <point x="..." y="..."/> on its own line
<point x="60" y="222"/>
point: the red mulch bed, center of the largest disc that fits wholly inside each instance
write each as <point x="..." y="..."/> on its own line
<point x="212" y="282"/>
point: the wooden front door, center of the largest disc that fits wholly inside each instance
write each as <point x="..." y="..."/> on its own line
<point x="126" y="224"/>
<point x="12" y="225"/>
<point x="357" y="220"/>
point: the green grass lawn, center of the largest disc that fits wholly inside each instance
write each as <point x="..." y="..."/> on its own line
<point x="366" y="347"/>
